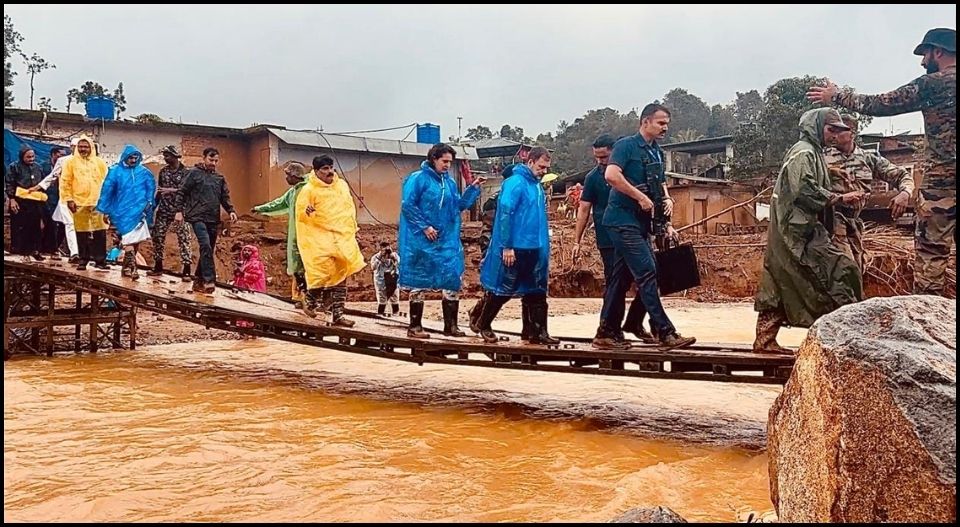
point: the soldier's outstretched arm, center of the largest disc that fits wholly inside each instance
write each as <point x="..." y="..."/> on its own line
<point x="904" y="99"/>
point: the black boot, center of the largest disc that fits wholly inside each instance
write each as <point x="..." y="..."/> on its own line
<point x="526" y="319"/>
<point x="157" y="268"/>
<point x="451" y="310"/>
<point x="491" y="306"/>
<point x="539" y="317"/>
<point x="186" y="276"/>
<point x="382" y="309"/>
<point x="415" y="331"/>
<point x="474" y="315"/>
<point x="395" y="309"/>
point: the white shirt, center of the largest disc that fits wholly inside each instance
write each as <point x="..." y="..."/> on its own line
<point x="55" y="173"/>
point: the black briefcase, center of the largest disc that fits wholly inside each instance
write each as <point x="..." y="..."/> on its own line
<point x="677" y="269"/>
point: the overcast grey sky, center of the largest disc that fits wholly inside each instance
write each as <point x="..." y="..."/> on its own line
<point x="364" y="67"/>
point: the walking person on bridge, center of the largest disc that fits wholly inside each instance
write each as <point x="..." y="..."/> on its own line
<point x="806" y="274"/>
<point x="518" y="260"/>
<point x="171" y="177"/>
<point x="80" y="185"/>
<point x="327" y="239"/>
<point x="127" y="199"/>
<point x="596" y="193"/>
<point x="639" y="207"/>
<point x="287" y="204"/>
<point x="431" y="253"/>
<point x="202" y="193"/>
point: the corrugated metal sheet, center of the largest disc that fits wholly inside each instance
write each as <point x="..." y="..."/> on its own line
<point x="363" y="144"/>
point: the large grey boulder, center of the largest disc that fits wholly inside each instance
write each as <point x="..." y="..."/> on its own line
<point x="866" y="427"/>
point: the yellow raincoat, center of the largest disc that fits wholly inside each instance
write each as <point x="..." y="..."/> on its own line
<point x="80" y="183"/>
<point x="327" y="238"/>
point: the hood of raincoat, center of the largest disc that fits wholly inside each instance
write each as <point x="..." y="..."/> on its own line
<point x="128" y="192"/>
<point x="812" y="123"/>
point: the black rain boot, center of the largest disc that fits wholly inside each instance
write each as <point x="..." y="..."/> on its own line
<point x="491" y="306"/>
<point x="526" y="319"/>
<point x="381" y="309"/>
<point x="474" y="315"/>
<point x="395" y="309"/>
<point x="415" y="331"/>
<point x="186" y="276"/>
<point x="451" y="310"/>
<point x="157" y="268"/>
<point x="539" y="317"/>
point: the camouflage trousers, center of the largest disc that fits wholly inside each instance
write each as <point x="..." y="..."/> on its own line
<point x="330" y="299"/>
<point x="934" y="237"/>
<point x="162" y="224"/>
<point x="848" y="237"/>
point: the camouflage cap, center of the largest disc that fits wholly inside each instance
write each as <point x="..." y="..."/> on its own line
<point x="941" y="37"/>
<point x="834" y="119"/>
<point x="172" y="150"/>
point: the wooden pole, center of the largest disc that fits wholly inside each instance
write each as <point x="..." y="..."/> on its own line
<point x="726" y="210"/>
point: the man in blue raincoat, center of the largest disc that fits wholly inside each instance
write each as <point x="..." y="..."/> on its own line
<point x="518" y="260"/>
<point x="127" y="199"/>
<point x="431" y="253"/>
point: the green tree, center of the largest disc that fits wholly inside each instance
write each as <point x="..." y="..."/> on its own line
<point x="687" y="135"/>
<point x="84" y="92"/>
<point x="546" y="140"/>
<point x="514" y="133"/>
<point x="35" y="65"/>
<point x="747" y="107"/>
<point x="119" y="100"/>
<point x="573" y="152"/>
<point x="45" y="104"/>
<point x="478" y="133"/>
<point x="149" y="118"/>
<point x="763" y="143"/>
<point x="722" y="120"/>
<point x="11" y="48"/>
<point x="687" y="112"/>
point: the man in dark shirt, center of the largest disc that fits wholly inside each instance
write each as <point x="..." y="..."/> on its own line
<point x="636" y="173"/>
<point x="596" y="192"/>
<point x="201" y="195"/>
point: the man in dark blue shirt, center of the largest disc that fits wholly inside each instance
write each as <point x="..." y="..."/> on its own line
<point x="636" y="173"/>
<point x="596" y="192"/>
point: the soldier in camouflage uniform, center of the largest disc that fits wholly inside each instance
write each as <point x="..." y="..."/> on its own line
<point x="935" y="95"/>
<point x="170" y="178"/>
<point x="852" y="170"/>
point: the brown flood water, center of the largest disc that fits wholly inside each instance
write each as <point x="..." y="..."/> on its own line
<point x="269" y="431"/>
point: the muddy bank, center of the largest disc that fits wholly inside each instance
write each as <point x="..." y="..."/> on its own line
<point x="727" y="273"/>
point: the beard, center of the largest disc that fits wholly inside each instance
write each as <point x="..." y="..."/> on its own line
<point x="932" y="67"/>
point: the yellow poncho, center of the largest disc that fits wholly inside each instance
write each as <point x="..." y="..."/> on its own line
<point x="80" y="183"/>
<point x="327" y="238"/>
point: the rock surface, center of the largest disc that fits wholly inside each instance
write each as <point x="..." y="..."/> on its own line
<point x="649" y="515"/>
<point x="865" y="429"/>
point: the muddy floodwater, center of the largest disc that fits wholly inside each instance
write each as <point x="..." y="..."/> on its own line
<point x="268" y="431"/>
